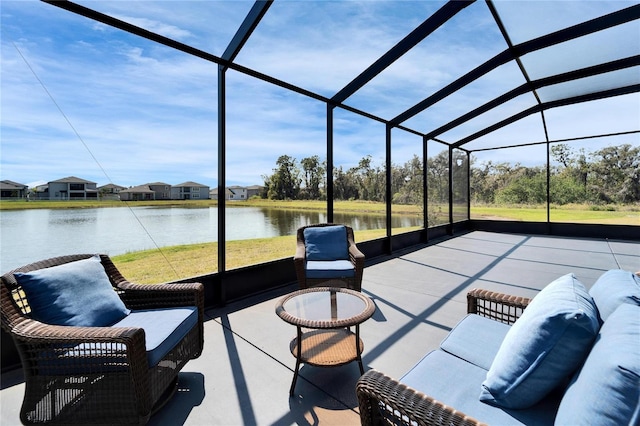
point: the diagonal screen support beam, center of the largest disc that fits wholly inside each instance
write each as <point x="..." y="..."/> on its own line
<point x="589" y="27"/>
<point x="629" y="62"/>
<point x="446" y="12"/>
<point x="245" y="30"/>
<point x="249" y="24"/>
<point x="634" y="88"/>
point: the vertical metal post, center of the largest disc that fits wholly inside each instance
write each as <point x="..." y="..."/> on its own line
<point x="468" y="185"/>
<point x="425" y="190"/>
<point x="548" y="182"/>
<point x="389" y="245"/>
<point x="329" y="185"/>
<point x="222" y="145"/>
<point x="450" y="226"/>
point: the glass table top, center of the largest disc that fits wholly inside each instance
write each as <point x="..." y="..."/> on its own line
<point x="326" y="306"/>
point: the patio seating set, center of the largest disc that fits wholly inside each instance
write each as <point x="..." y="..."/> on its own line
<point x="565" y="357"/>
<point x="96" y="348"/>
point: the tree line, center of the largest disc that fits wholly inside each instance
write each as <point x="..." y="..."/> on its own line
<point x="607" y="175"/>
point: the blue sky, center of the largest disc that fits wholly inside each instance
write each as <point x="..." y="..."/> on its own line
<point x="83" y="99"/>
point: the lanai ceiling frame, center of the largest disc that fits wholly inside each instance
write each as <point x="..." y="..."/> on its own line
<point x="513" y="53"/>
<point x="440" y="17"/>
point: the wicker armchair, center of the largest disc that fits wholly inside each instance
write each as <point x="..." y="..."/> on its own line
<point x="93" y="375"/>
<point x="384" y="400"/>
<point x="356" y="257"/>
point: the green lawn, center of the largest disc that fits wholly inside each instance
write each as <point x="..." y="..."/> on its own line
<point x="179" y="262"/>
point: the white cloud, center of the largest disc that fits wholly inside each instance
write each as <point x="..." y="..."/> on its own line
<point x="148" y="113"/>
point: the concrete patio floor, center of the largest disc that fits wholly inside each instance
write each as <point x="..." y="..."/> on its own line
<point x="244" y="374"/>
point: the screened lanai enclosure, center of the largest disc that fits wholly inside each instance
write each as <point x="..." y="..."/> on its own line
<point x="436" y="112"/>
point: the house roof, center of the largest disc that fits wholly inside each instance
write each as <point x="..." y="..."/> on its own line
<point x="71" y="179"/>
<point x="190" y="184"/>
<point x="112" y="186"/>
<point x="141" y="189"/>
<point x="8" y="184"/>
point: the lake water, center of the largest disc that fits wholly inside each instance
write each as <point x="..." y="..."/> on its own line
<point x="30" y="235"/>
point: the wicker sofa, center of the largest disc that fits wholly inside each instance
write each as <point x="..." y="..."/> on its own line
<point x="111" y="370"/>
<point x="567" y="356"/>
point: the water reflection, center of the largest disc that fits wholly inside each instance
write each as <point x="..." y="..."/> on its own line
<point x="31" y="235"/>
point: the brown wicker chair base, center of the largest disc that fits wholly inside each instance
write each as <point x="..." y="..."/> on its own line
<point x="97" y="375"/>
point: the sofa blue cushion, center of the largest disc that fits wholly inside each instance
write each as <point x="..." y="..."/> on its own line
<point x="544" y="347"/>
<point x="613" y="288"/>
<point x="475" y="339"/>
<point x="163" y="328"/>
<point x="606" y="390"/>
<point x="326" y="243"/>
<point x="330" y="269"/>
<point x="75" y="294"/>
<point x="455" y="382"/>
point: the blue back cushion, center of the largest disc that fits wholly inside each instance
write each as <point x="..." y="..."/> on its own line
<point x="614" y="288"/>
<point x="607" y="388"/>
<point x="76" y="294"/>
<point x="476" y="339"/>
<point x="326" y="243"/>
<point x="544" y="347"/>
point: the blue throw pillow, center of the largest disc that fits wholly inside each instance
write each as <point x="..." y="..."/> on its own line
<point x="606" y="391"/>
<point x="544" y="347"/>
<point x="76" y="294"/>
<point x="326" y="243"/>
<point x="614" y="288"/>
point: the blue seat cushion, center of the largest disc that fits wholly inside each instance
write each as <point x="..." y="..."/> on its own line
<point x="164" y="328"/>
<point x="455" y="382"/>
<point x="75" y="294"/>
<point x="330" y="269"/>
<point x="613" y="288"/>
<point x="326" y="243"/>
<point x="475" y="339"/>
<point x="544" y="347"/>
<point x="606" y="390"/>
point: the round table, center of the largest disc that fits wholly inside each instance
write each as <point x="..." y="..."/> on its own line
<point x="329" y="313"/>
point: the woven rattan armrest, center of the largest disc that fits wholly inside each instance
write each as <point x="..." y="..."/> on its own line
<point x="356" y="256"/>
<point x="37" y="332"/>
<point x="496" y="306"/>
<point x="152" y="296"/>
<point x="384" y="400"/>
<point x="81" y="349"/>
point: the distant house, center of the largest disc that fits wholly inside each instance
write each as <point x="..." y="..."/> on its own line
<point x="236" y="192"/>
<point x="72" y="188"/>
<point x="189" y="191"/>
<point x="40" y="192"/>
<point x="149" y="191"/>
<point x="254" y="190"/>
<point x="111" y="188"/>
<point x="10" y="190"/>
<point x="214" y="193"/>
<point x="137" y="193"/>
<point x="110" y="191"/>
<point x="162" y="190"/>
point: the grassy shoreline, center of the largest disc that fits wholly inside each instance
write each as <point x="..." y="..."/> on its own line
<point x="185" y="261"/>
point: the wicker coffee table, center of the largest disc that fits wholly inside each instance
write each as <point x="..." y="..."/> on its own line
<point x="328" y="314"/>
